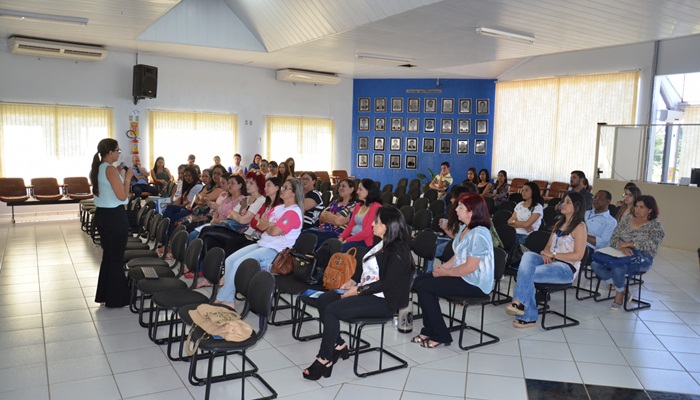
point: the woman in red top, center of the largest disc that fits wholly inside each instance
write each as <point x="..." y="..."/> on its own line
<point x="359" y="230"/>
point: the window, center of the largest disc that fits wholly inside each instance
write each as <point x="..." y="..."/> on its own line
<point x="308" y="140"/>
<point x="175" y="135"/>
<point x="50" y="141"/>
<point x="546" y="128"/>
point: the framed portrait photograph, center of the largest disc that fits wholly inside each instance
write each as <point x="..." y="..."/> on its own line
<point x="363" y="124"/>
<point x="465" y="106"/>
<point x="363" y="143"/>
<point x="380" y="104"/>
<point x="429" y="125"/>
<point x="448" y="106"/>
<point x="394" y="161"/>
<point x="411" y="162"/>
<point x="397" y="124"/>
<point x="412" y="144"/>
<point x="396" y="104"/>
<point x="363" y="104"/>
<point x="413" y="105"/>
<point x="395" y="144"/>
<point x="380" y="124"/>
<point x="482" y="126"/>
<point x="463" y="147"/>
<point x="445" y="146"/>
<point x="379" y="144"/>
<point x="446" y="125"/>
<point x="412" y="124"/>
<point x="430" y="105"/>
<point x="465" y="125"/>
<point x="428" y="145"/>
<point x="378" y="161"/>
<point x="482" y="106"/>
<point x="480" y="146"/>
<point x="363" y="160"/>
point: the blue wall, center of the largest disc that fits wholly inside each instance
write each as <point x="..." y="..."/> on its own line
<point x="401" y="90"/>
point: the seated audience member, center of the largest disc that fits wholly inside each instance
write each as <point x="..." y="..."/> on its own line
<point x="190" y="163"/>
<point x="484" y="186"/>
<point x="334" y="219"/>
<point x="470" y="272"/>
<point x="283" y="172"/>
<point x="557" y="263"/>
<point x="236" y="168"/>
<point x="443" y="180"/>
<point x="359" y="229"/>
<point x="281" y="230"/>
<point x="199" y="207"/>
<point x="579" y="184"/>
<point x="599" y="223"/>
<point x="291" y="166"/>
<point x="264" y="167"/>
<point x="378" y="289"/>
<point x="234" y="193"/>
<point x="500" y="190"/>
<point x="313" y="203"/>
<point x="632" y="194"/>
<point x="527" y="216"/>
<point x="191" y="186"/>
<point x="450" y="225"/>
<point x="273" y="170"/>
<point x="161" y="177"/>
<point x="139" y="182"/>
<point x="180" y="181"/>
<point x="255" y="165"/>
<point x="217" y="161"/>
<point x="638" y="235"/>
<point x="471" y="177"/>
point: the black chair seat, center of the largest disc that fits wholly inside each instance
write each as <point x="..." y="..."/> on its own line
<point x="142" y="253"/>
<point x="147" y="262"/>
<point x="137" y="246"/>
<point x="552" y="287"/>
<point x="310" y="301"/>
<point x="288" y="284"/>
<point x="136" y="274"/>
<point x="466" y="301"/>
<point x="151" y="286"/>
<point x="369" y="321"/>
<point x="174" y="299"/>
<point x="211" y="344"/>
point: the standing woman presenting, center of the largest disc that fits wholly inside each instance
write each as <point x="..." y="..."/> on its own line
<point x="111" y="190"/>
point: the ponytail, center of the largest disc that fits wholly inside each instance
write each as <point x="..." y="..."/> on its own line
<point x="93" y="174"/>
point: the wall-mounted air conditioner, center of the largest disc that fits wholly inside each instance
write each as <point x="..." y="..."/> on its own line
<point x="56" y="49"/>
<point x="303" y="76"/>
<point x="670" y="115"/>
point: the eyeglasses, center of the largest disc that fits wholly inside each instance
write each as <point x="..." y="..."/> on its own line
<point x="285" y="188"/>
<point x="118" y="151"/>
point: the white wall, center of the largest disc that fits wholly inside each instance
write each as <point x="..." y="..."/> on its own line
<point x="183" y="84"/>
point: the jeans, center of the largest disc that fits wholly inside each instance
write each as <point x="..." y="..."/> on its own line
<point x="441" y="244"/>
<point x="175" y="213"/>
<point x="520" y="238"/>
<point x="533" y="269"/>
<point x="144" y="188"/>
<point x="616" y="274"/>
<point x="264" y="255"/>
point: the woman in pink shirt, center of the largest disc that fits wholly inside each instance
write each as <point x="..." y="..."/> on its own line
<point x="359" y="230"/>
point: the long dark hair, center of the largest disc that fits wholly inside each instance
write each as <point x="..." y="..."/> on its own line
<point x="155" y="164"/>
<point x="103" y="148"/>
<point x="488" y="178"/>
<point x="210" y="187"/>
<point x="536" y="195"/>
<point x="373" y="193"/>
<point x="291" y="166"/>
<point x="186" y="187"/>
<point x="283" y="176"/>
<point x="476" y="176"/>
<point x="397" y="233"/>
<point x="505" y="178"/>
<point x="277" y="200"/>
<point x="576" y="218"/>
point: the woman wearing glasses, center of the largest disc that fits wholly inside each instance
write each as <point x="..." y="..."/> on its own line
<point x="111" y="190"/>
<point x="557" y="263"/>
<point x="280" y="230"/>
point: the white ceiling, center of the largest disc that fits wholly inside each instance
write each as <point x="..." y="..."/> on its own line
<point x="324" y="35"/>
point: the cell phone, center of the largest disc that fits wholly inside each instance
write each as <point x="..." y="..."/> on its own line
<point x="341" y="291"/>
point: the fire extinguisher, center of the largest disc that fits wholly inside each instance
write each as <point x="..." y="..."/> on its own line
<point x="134" y="141"/>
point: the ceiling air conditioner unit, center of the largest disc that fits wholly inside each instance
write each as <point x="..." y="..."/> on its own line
<point x="56" y="49"/>
<point x="303" y="76"/>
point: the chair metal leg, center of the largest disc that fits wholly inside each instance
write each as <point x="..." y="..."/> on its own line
<point x="299" y="309"/>
<point x="640" y="304"/>
<point x="463" y="325"/>
<point x="588" y="272"/>
<point x="382" y="352"/>
<point x="546" y="310"/>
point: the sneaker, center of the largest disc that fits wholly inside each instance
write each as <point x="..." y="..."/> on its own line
<point x="615" y="306"/>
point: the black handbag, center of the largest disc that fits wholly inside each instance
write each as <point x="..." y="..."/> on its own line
<point x="515" y="255"/>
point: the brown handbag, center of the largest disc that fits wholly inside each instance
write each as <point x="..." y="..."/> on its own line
<point x="284" y="262"/>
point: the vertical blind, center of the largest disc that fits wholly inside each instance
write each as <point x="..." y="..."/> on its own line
<point x="175" y="135"/>
<point x="50" y="141"/>
<point x="689" y="146"/>
<point x="308" y="140"/>
<point x="546" y="128"/>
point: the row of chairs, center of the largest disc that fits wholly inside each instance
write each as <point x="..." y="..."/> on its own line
<point x="547" y="190"/>
<point x="44" y="189"/>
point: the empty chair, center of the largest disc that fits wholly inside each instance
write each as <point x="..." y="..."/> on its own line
<point x="516" y="184"/>
<point x="557" y="189"/>
<point x="77" y="188"/>
<point x="325" y="186"/>
<point x="388" y="188"/>
<point x="501" y="218"/>
<point x="408" y="213"/>
<point x="304" y="247"/>
<point x="403" y="200"/>
<point x="46" y="189"/>
<point x="414" y="192"/>
<point x="431" y="194"/>
<point x="423" y="219"/>
<point x="437" y="207"/>
<point x="508" y="205"/>
<point x="435" y="226"/>
<point x="414" y="183"/>
<point x="515" y="197"/>
<point x="399" y="191"/>
<point x="420" y="204"/>
<point x="387" y="198"/>
<point x="13" y="190"/>
<point x="402" y="182"/>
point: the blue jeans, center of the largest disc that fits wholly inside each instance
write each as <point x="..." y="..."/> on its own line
<point x="175" y="213"/>
<point x="616" y="274"/>
<point x="533" y="269"/>
<point x="520" y="238"/>
<point x="264" y="255"/>
<point x="441" y="244"/>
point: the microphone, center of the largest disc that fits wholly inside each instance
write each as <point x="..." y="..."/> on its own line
<point x="123" y="166"/>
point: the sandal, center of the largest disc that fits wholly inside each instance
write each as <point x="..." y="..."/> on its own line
<point x="203" y="283"/>
<point x="419" y="339"/>
<point x="429" y="344"/>
<point x="318" y="370"/>
<point x="524" y="324"/>
<point x="515" y="309"/>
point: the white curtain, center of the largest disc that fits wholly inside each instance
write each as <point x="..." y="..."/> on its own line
<point x="308" y="140"/>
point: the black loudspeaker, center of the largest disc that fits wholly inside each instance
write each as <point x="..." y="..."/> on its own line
<point x="145" y="82"/>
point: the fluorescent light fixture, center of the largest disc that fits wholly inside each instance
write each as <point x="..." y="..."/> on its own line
<point x="36" y="17"/>
<point x="505" y="35"/>
<point x="379" y="57"/>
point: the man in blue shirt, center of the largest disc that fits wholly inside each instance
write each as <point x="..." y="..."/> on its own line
<point x="599" y="222"/>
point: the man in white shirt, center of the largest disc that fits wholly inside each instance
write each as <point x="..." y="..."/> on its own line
<point x="443" y="180"/>
<point x="599" y="222"/>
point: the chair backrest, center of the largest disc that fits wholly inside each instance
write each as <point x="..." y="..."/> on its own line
<point x="389" y="187"/>
<point x="420" y="204"/>
<point x="178" y="246"/>
<point x="414" y="183"/>
<point x="423" y="219"/>
<point x="248" y="268"/>
<point x="333" y="245"/>
<point x="414" y="192"/>
<point x="431" y="194"/>
<point x="322" y="176"/>
<point x="12" y="187"/>
<point x="212" y="265"/>
<point x="447" y="253"/>
<point x="402" y="182"/>
<point x="536" y="241"/>
<point x="325" y="186"/>
<point x="549" y="218"/>
<point x="340" y="174"/>
<point x="77" y="185"/>
<point x="260" y="291"/>
<point x="553" y="202"/>
<point x="437" y="207"/>
<point x="499" y="263"/>
<point x="542" y="185"/>
<point x="408" y="214"/>
<point x="153" y="227"/>
<point x="306" y="243"/>
<point x="508" y="205"/>
<point x="490" y="204"/>
<point x="403" y="200"/>
<point x="515" y="197"/>
<point x="45" y="186"/>
<point x="501" y="217"/>
<point x="193" y="254"/>
<point x="387" y="198"/>
<point x="516" y="184"/>
<point x="507" y="235"/>
<point x="399" y="191"/>
<point x="435" y="226"/>
<point x="145" y="222"/>
<point x="556" y="189"/>
<point x="162" y="235"/>
<point x="448" y="198"/>
<point x="424" y="245"/>
<point x="326" y="197"/>
<point x="613" y="210"/>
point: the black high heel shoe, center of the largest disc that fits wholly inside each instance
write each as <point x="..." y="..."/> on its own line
<point x="318" y="370"/>
<point x="343" y="353"/>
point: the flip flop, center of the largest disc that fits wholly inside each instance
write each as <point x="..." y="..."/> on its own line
<point x="418" y="339"/>
<point x="515" y="309"/>
<point x="428" y="344"/>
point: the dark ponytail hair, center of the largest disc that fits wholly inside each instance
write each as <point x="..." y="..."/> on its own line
<point x="103" y="148"/>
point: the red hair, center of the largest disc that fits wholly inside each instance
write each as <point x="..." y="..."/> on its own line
<point x="259" y="179"/>
<point x="480" y="212"/>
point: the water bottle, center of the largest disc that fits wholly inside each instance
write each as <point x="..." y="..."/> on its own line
<point x="405" y="319"/>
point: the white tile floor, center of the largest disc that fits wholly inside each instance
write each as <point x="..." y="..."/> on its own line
<point x="58" y="344"/>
